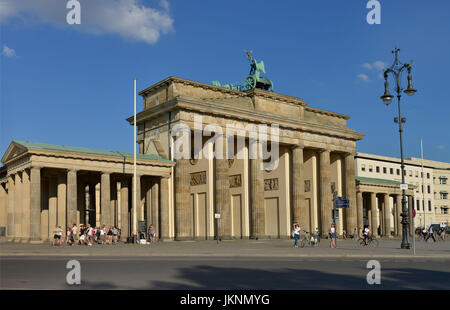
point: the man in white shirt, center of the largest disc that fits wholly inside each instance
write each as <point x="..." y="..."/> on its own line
<point x="366" y="233"/>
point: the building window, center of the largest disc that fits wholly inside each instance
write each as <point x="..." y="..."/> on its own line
<point x="410" y="173"/>
<point x="417" y="174"/>
<point x="398" y="171"/>
<point x="429" y="205"/>
<point x="404" y="173"/>
<point x="363" y="167"/>
<point x="384" y="170"/>
<point x="391" y="170"/>
<point x="378" y="169"/>
<point x="442" y="181"/>
<point x="428" y="175"/>
<point x="444" y="210"/>
<point x="418" y="205"/>
<point x="370" y="169"/>
<point x="443" y="195"/>
<point x="429" y="189"/>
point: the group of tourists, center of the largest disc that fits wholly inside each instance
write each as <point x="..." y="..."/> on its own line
<point x="432" y="233"/>
<point x="296" y="229"/>
<point x="87" y="235"/>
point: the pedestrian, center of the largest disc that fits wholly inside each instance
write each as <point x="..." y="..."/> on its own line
<point x="355" y="233"/>
<point x="431" y="234"/>
<point x="115" y="232"/>
<point x="317" y="235"/>
<point x="89" y="235"/>
<point x="152" y="233"/>
<point x="344" y="234"/>
<point x="296" y="233"/>
<point x="102" y="234"/>
<point x="57" y="235"/>
<point x="74" y="233"/>
<point x="68" y="233"/>
<point x="109" y="233"/>
<point x="332" y="234"/>
<point x="82" y="235"/>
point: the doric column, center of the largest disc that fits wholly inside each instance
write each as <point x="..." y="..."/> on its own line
<point x="155" y="207"/>
<point x="374" y="211"/>
<point x="223" y="198"/>
<point x="124" y="216"/>
<point x="71" y="197"/>
<point x="105" y="199"/>
<point x="3" y="205"/>
<point x="113" y="204"/>
<point x="52" y="206"/>
<point x="326" y="198"/>
<point x="387" y="216"/>
<point x="398" y="217"/>
<point x="352" y="213"/>
<point x="359" y="204"/>
<point x="61" y="197"/>
<point x="299" y="208"/>
<point x="26" y="216"/>
<point x="257" y="197"/>
<point x="18" y="207"/>
<point x="165" y="223"/>
<point x="11" y="202"/>
<point x="183" y="211"/>
<point x="35" y="204"/>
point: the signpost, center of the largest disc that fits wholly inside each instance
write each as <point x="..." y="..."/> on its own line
<point x="217" y="217"/>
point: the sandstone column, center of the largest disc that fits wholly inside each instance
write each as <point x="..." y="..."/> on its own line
<point x="52" y="206"/>
<point x="223" y="198"/>
<point x="35" y="204"/>
<point x="62" y="194"/>
<point x="105" y="199"/>
<point x="148" y="202"/>
<point x="11" y="201"/>
<point x="3" y="206"/>
<point x="387" y="216"/>
<point x="71" y="197"/>
<point x="352" y="213"/>
<point x="124" y="216"/>
<point x="398" y="218"/>
<point x="300" y="209"/>
<point x="183" y="211"/>
<point x="113" y="203"/>
<point x="374" y="211"/>
<point x="26" y="216"/>
<point x="165" y="223"/>
<point x="359" y="204"/>
<point x="326" y="198"/>
<point x="155" y="208"/>
<point x="257" y="197"/>
<point x="18" y="207"/>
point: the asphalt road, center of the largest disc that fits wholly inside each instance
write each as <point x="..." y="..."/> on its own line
<point x="206" y="273"/>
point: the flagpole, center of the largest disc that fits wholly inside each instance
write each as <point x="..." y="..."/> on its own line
<point x="134" y="167"/>
<point x="423" y="186"/>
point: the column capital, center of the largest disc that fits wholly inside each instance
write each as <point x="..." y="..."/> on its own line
<point x="298" y="146"/>
<point x="323" y="150"/>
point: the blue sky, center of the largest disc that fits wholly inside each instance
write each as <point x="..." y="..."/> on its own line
<point x="73" y="84"/>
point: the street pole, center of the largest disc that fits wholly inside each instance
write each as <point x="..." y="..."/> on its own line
<point x="134" y="168"/>
<point x="405" y="218"/>
<point x="396" y="70"/>
<point x="423" y="186"/>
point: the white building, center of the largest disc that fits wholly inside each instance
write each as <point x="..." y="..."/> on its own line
<point x="430" y="182"/>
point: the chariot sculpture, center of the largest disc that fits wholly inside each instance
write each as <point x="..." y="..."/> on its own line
<point x="254" y="79"/>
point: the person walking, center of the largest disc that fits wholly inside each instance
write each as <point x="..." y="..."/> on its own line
<point x="57" y="236"/>
<point x="431" y="234"/>
<point x="74" y="233"/>
<point x="317" y="235"/>
<point x="366" y="233"/>
<point x="296" y="234"/>
<point x="115" y="232"/>
<point x="332" y="234"/>
<point x="102" y="234"/>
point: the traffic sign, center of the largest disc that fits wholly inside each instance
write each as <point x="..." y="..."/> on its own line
<point x="404" y="186"/>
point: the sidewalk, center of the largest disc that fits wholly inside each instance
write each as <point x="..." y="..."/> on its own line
<point x="389" y="248"/>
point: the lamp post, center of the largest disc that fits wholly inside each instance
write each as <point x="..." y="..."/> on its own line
<point x="396" y="70"/>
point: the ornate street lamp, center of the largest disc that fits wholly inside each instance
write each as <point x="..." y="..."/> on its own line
<point x="396" y="70"/>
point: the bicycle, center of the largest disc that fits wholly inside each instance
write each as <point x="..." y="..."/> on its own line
<point x="371" y="242"/>
<point x="310" y="240"/>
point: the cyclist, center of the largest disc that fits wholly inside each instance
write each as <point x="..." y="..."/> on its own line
<point x="366" y="233"/>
